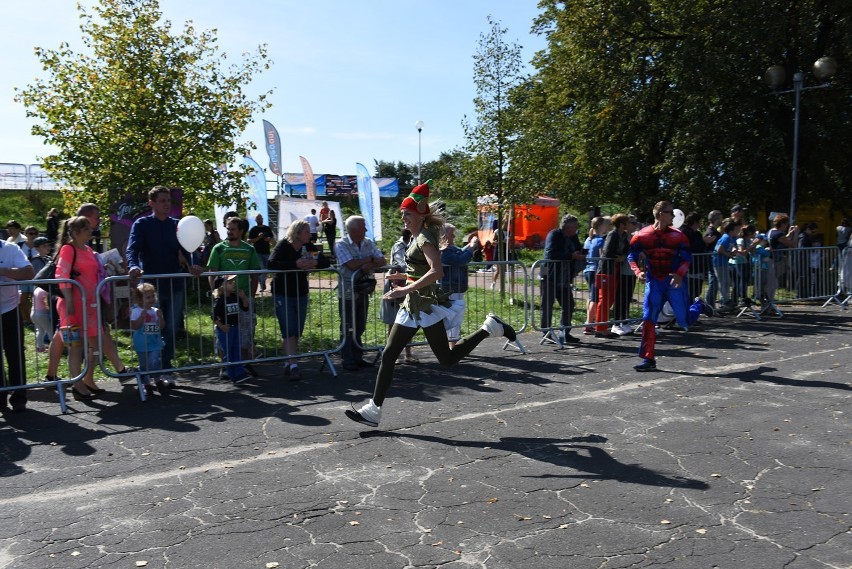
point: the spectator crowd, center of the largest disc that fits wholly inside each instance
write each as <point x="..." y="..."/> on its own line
<point x="713" y="260"/>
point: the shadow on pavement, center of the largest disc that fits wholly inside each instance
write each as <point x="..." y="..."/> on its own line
<point x="594" y="464"/>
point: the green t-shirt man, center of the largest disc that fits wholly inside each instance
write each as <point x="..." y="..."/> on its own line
<point x="230" y="257"/>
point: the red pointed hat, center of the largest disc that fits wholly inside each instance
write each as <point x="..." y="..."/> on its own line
<point x="418" y="200"/>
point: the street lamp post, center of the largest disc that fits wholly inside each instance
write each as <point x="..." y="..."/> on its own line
<point x="419" y="126"/>
<point x="824" y="68"/>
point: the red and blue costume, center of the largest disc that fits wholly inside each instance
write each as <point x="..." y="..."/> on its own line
<point x="666" y="252"/>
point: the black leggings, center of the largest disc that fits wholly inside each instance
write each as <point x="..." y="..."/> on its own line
<point x="436" y="335"/>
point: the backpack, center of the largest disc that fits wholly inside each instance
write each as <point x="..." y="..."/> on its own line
<point x="48" y="273"/>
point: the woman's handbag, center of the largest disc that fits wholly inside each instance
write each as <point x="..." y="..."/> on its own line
<point x="48" y="273"/>
<point x="363" y="283"/>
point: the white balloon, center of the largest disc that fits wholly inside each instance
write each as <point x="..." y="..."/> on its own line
<point x="678" y="218"/>
<point x="190" y="233"/>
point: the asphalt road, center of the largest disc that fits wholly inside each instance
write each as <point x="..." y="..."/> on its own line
<point x="734" y="454"/>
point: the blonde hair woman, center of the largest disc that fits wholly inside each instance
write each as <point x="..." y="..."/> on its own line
<point x="425" y="305"/>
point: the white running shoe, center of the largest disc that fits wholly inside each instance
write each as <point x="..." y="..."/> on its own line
<point x="622" y="329"/>
<point x="496" y="327"/>
<point x="369" y="414"/>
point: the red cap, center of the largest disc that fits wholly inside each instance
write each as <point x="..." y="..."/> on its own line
<point x="418" y="200"/>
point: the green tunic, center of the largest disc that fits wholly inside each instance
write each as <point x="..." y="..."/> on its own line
<point x="424" y="299"/>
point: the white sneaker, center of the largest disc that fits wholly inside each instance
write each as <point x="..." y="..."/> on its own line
<point x="492" y="326"/>
<point x="497" y="327"/>
<point x="369" y="414"/>
<point x="622" y="329"/>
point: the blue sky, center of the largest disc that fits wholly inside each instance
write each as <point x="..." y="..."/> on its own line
<point x="350" y="78"/>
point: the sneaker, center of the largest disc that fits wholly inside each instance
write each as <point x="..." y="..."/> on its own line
<point x="706" y="309"/>
<point x="150" y="388"/>
<point x="223" y="374"/>
<point x="250" y="370"/>
<point x="166" y="381"/>
<point x="492" y="286"/>
<point x="294" y="373"/>
<point x="618" y="331"/>
<point x="646" y="365"/>
<point x="589" y="331"/>
<point x="496" y="327"/>
<point x="369" y="414"/>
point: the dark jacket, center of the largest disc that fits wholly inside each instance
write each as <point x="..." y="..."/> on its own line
<point x="615" y="245"/>
<point x="560" y="247"/>
<point x="295" y="281"/>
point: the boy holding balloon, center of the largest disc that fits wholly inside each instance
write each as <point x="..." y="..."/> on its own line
<point x="158" y="245"/>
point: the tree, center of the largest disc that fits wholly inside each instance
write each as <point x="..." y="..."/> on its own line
<point x="659" y="99"/>
<point x="143" y="106"/>
<point x="489" y="141"/>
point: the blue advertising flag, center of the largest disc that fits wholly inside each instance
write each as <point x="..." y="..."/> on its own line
<point x="256" y="202"/>
<point x="273" y="147"/>
<point x="365" y="198"/>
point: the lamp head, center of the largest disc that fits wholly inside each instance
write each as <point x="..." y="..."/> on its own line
<point x="825" y="68"/>
<point x="775" y="76"/>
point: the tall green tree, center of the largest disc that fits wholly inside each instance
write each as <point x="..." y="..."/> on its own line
<point x="640" y="100"/>
<point x="489" y="137"/>
<point x="497" y="70"/>
<point x="143" y="105"/>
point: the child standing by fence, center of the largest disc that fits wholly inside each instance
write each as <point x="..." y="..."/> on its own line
<point x="146" y="322"/>
<point x="226" y="316"/>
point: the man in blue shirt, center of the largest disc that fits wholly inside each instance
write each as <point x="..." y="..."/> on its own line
<point x="153" y="249"/>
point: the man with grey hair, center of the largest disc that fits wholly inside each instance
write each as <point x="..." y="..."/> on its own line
<point x="354" y="253"/>
<point x="562" y="252"/>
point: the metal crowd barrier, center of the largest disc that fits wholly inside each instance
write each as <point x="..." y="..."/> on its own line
<point x="843" y="270"/>
<point x="562" y="287"/>
<point x="39" y="360"/>
<point x="194" y="338"/>
<point x="513" y="291"/>
<point x="507" y="298"/>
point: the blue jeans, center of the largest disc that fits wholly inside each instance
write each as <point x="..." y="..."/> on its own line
<point x="229" y="342"/>
<point x="723" y="278"/>
<point x="712" y="287"/>
<point x="291" y="312"/>
<point x="264" y="264"/>
<point x="150" y="362"/>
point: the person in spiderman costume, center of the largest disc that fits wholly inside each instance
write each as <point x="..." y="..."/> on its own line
<point x="667" y="257"/>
